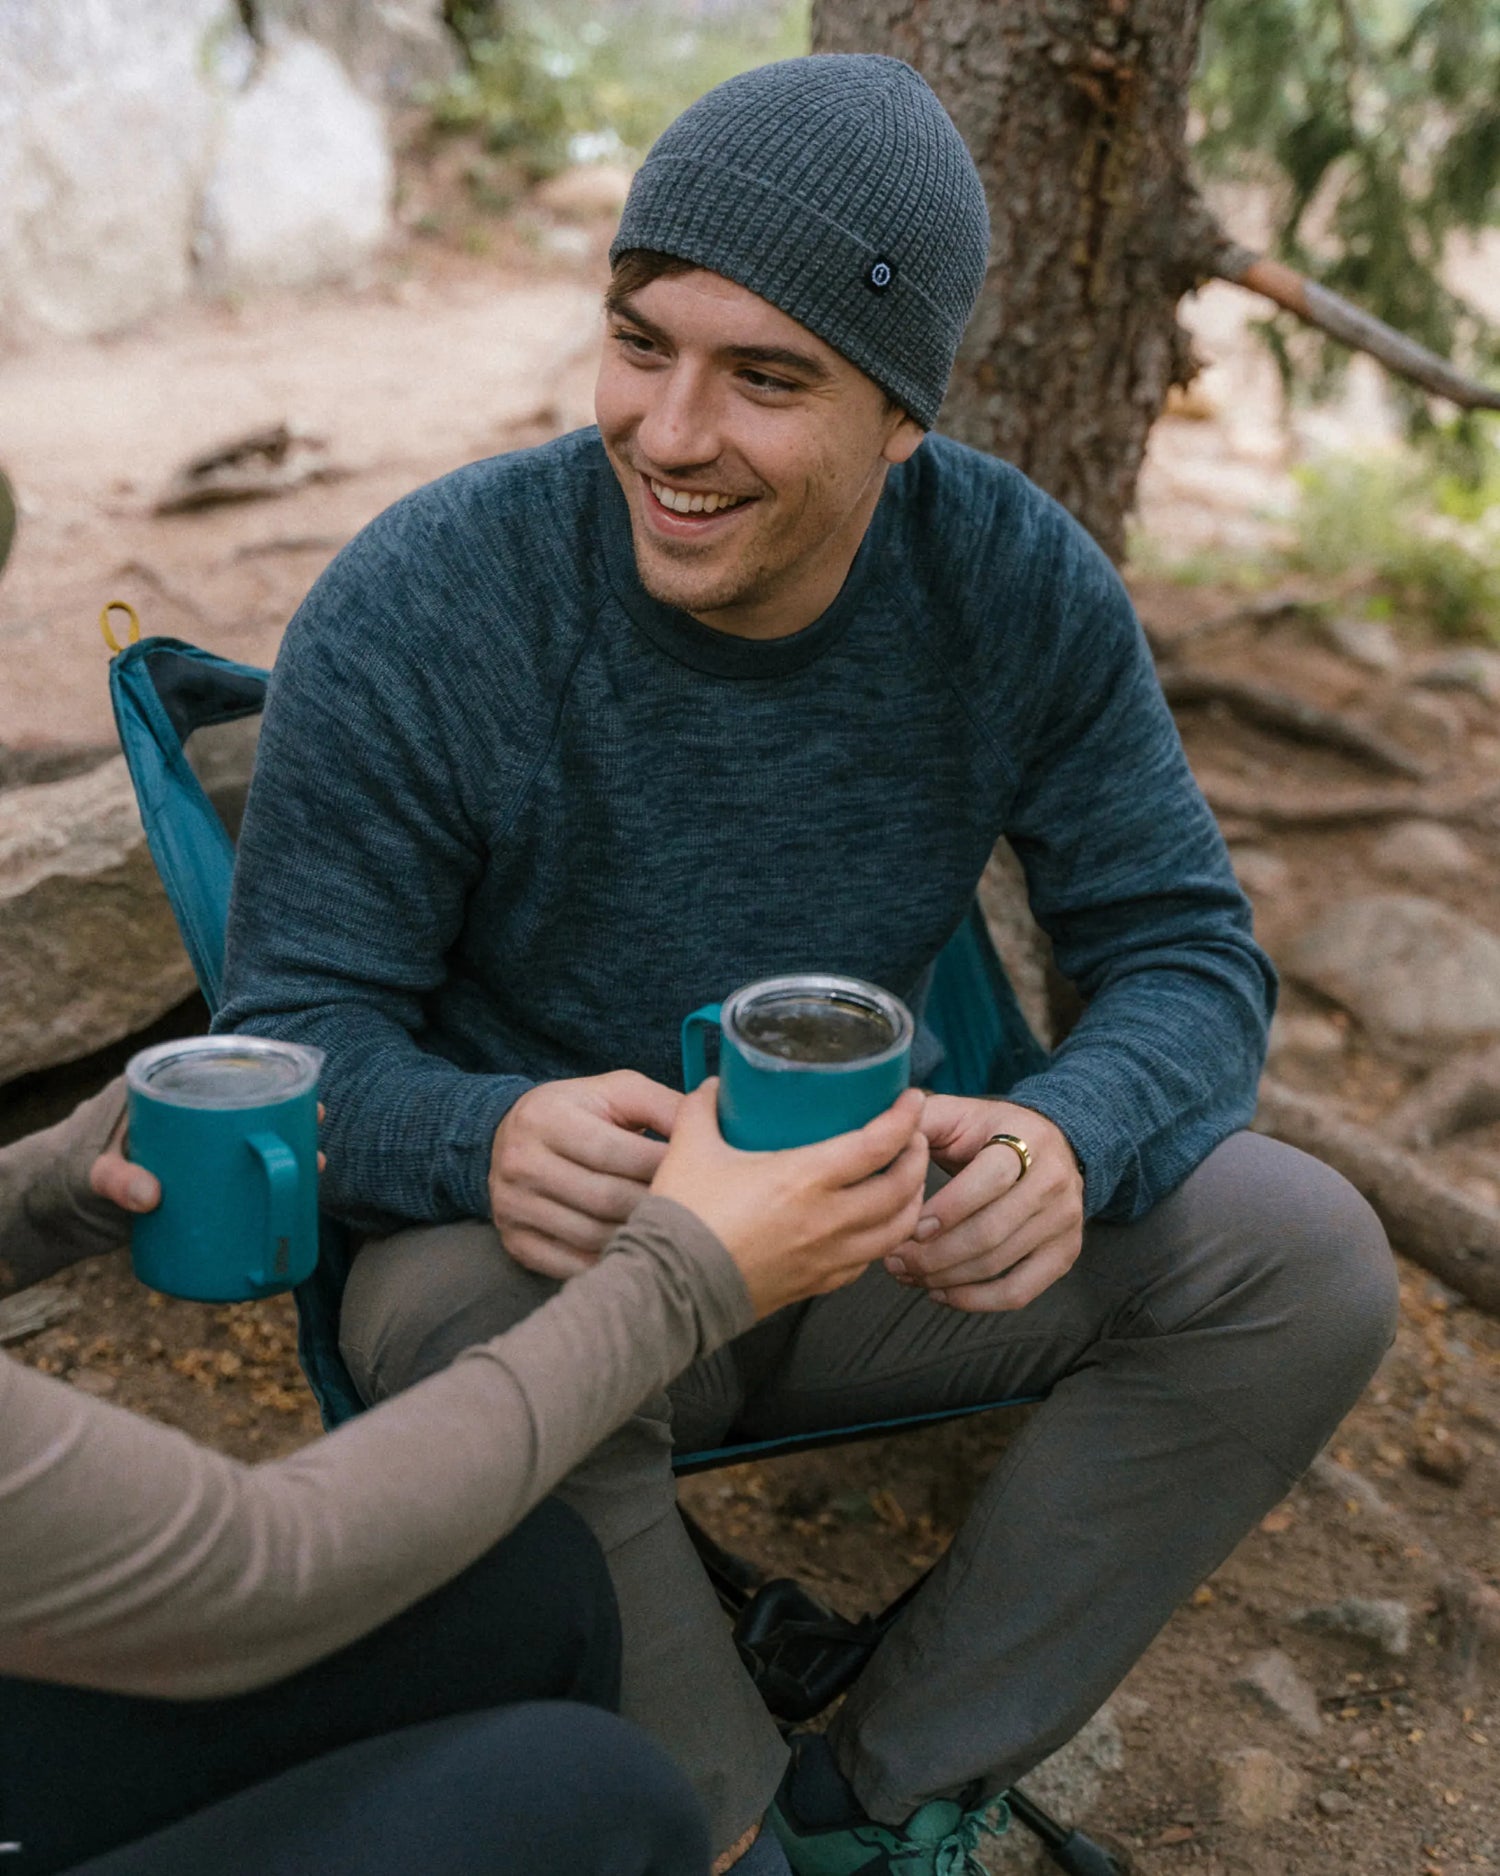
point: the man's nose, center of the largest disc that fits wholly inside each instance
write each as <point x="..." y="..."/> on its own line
<point x="679" y="428"/>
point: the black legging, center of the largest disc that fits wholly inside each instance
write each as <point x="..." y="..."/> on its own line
<point x="387" y="1756"/>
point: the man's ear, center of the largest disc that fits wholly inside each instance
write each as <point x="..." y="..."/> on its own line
<point x="906" y="434"/>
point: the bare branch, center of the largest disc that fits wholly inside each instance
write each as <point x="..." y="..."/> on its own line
<point x="1440" y="1227"/>
<point x="1351" y="326"/>
<point x="1456" y="1096"/>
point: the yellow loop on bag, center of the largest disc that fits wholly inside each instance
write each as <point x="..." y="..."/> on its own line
<point x="119" y="605"/>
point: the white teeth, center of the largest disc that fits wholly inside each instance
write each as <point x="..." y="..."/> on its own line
<point x="683" y="503"/>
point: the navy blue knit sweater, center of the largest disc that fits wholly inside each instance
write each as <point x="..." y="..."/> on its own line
<point x="512" y="818"/>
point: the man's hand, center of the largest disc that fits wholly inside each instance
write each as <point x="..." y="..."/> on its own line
<point x="571" y="1162"/>
<point x="990" y="1239"/>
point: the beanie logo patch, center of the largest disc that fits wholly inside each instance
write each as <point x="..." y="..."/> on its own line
<point x="881" y="274"/>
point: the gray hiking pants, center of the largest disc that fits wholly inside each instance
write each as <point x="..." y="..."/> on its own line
<point x="1194" y="1363"/>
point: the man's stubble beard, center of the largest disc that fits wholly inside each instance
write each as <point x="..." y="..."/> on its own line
<point x="694" y="590"/>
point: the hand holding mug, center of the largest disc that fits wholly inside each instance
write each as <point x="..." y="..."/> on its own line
<point x="807" y="1219"/>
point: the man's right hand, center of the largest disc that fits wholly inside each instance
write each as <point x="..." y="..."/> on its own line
<point x="570" y="1164"/>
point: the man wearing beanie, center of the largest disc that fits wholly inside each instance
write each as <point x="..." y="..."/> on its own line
<point x="750" y="680"/>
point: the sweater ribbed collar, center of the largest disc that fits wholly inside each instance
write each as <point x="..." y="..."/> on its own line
<point x="720" y="654"/>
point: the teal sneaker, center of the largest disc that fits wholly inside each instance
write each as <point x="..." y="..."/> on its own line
<point x="827" y="1835"/>
<point x="939" y="1840"/>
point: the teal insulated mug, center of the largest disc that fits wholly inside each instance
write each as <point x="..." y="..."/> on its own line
<point x="229" y="1125"/>
<point x="801" y="1058"/>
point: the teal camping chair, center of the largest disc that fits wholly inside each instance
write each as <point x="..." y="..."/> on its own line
<point x="800" y="1654"/>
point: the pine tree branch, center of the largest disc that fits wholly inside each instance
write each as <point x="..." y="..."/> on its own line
<point x="1359" y="330"/>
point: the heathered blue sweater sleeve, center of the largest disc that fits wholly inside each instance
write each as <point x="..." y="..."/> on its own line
<point x="1129" y="876"/>
<point x="355" y="860"/>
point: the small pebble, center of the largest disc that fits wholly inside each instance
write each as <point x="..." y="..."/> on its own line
<point x="1334" y="1803"/>
<point x="1367" y="642"/>
<point x="1260" y="872"/>
<point x="1443" y="1456"/>
<point x="92" y="1381"/>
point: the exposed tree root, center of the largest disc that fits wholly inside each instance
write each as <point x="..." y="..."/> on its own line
<point x="1229" y="796"/>
<point x="1262" y="612"/>
<point x="1293" y="716"/>
<point x="1461" y="1094"/>
<point x="1439" y="1227"/>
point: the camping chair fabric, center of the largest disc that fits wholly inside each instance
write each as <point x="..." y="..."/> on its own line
<point x="163" y="690"/>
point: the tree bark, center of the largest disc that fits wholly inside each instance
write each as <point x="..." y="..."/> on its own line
<point x="1075" y="111"/>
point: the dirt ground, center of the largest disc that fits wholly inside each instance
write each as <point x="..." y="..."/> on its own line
<point x="445" y="354"/>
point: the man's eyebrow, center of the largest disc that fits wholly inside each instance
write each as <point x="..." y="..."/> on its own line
<point x="811" y="368"/>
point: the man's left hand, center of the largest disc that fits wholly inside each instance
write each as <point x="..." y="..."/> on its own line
<point x="992" y="1239"/>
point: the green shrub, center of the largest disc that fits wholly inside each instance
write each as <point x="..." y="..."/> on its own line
<point x="560" y="83"/>
<point x="1422" y="542"/>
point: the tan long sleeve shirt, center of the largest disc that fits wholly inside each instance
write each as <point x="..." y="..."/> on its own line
<point x="133" y="1559"/>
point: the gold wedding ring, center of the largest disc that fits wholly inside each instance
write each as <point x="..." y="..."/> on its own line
<point x="1017" y="1146"/>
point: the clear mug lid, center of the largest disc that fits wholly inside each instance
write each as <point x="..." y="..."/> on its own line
<point x="224" y="1071"/>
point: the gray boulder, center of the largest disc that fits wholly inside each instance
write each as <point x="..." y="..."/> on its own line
<point x="89" y="950"/>
<point x="1407" y="967"/>
<point x="301" y="184"/>
<point x="105" y="126"/>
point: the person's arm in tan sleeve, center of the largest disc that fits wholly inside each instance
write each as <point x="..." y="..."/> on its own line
<point x="134" y="1560"/>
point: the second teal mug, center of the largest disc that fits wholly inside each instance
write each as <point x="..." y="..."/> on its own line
<point x="229" y="1125"/>
<point x="801" y="1058"/>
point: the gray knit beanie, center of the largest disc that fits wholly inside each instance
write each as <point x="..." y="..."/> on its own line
<point x="837" y="188"/>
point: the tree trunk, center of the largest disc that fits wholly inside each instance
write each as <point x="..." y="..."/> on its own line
<point x="1075" y="111"/>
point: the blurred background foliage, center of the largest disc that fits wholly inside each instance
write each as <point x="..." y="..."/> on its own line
<point x="553" y="82"/>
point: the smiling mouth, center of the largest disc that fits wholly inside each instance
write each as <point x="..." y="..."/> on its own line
<point x="692" y="505"/>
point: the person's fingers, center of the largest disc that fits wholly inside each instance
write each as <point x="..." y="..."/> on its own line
<point x="545" y="1216"/>
<point x="595" y="1194"/>
<point x="605" y="1147"/>
<point x="987" y="1177"/>
<point x="992" y="1224"/>
<point x="322" y="1113"/>
<point x="994" y="1256"/>
<point x="849" y="1158"/>
<point x="322" y="1162"/>
<point x="131" y="1187"/>
<point x="1018" y="1286"/>
<point x="884" y="1195"/>
<point x="634" y="1100"/>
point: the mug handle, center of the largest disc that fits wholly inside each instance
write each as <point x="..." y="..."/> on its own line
<point x="694" y="1054"/>
<point x="279" y="1163"/>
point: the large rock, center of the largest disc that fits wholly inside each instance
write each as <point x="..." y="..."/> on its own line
<point x="89" y="950"/>
<point x="1068" y="1785"/>
<point x="391" y="48"/>
<point x="138" y="137"/>
<point x="1407" y="967"/>
<point x="106" y="119"/>
<point x="300" y="190"/>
